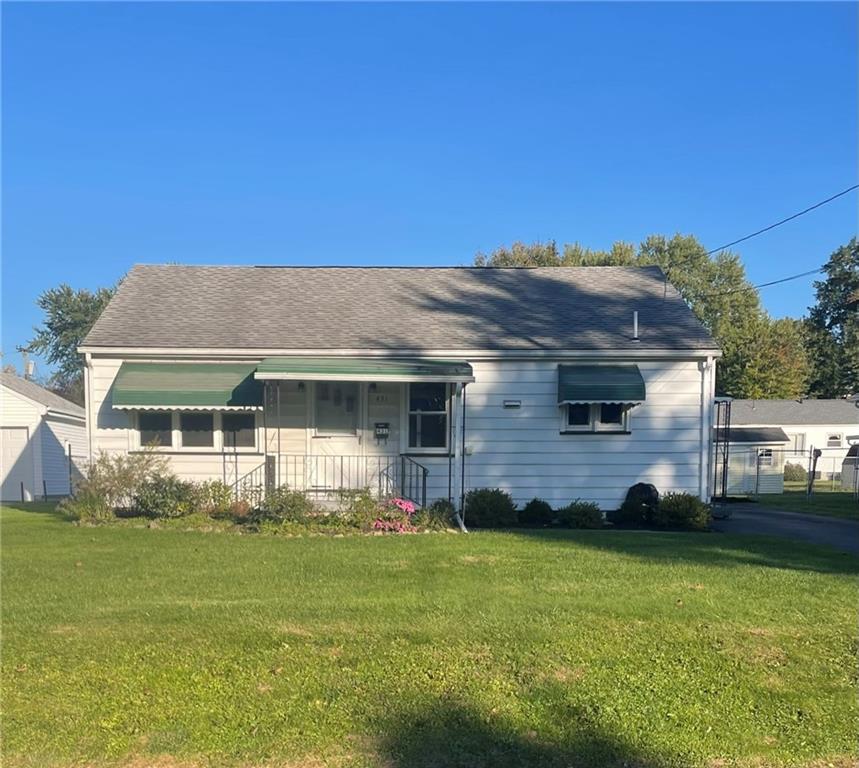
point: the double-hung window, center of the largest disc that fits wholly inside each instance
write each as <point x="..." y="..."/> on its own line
<point x="197" y="430"/>
<point x="239" y="430"/>
<point x="203" y="431"/>
<point x="833" y="440"/>
<point x="155" y="428"/>
<point x="595" y="417"/>
<point x="429" y="411"/>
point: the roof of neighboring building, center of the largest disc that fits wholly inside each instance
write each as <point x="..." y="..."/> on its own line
<point x="789" y="412"/>
<point x="39" y="394"/>
<point x="755" y="435"/>
<point x="397" y="308"/>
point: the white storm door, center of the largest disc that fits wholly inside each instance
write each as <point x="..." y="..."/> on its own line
<point x="336" y="449"/>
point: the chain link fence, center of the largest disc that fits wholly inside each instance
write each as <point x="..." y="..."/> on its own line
<point x="758" y="470"/>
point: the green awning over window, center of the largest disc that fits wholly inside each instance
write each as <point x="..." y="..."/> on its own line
<point x="202" y="386"/>
<point x="363" y="369"/>
<point x="600" y="384"/>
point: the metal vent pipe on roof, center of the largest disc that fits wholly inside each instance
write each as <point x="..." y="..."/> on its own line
<point x="635" y="326"/>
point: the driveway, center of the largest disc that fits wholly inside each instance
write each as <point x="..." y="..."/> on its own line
<point x="815" y="529"/>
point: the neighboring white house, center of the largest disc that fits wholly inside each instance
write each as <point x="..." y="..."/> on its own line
<point x="756" y="459"/>
<point x="809" y="425"/>
<point x="421" y="381"/>
<point x="37" y="428"/>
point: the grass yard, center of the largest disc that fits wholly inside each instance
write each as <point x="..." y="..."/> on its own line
<point x="824" y="501"/>
<point x="135" y="647"/>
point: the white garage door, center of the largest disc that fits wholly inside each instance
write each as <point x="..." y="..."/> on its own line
<point x="16" y="463"/>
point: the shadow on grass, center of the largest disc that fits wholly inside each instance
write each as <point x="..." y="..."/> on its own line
<point x="708" y="549"/>
<point x="48" y="508"/>
<point x="450" y="735"/>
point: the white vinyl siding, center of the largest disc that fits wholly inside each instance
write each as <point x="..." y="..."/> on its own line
<point x="522" y="450"/>
<point x="518" y="449"/>
<point x="49" y="435"/>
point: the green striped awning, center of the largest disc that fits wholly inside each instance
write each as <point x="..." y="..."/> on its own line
<point x="600" y="384"/>
<point x="363" y="369"/>
<point x="201" y="386"/>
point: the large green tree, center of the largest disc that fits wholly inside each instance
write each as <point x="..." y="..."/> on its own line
<point x="832" y="327"/>
<point x="68" y="316"/>
<point x="717" y="291"/>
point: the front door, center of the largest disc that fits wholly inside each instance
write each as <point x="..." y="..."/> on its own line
<point x="336" y="453"/>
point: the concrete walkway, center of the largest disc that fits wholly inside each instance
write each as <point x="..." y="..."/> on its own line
<point x="815" y="529"/>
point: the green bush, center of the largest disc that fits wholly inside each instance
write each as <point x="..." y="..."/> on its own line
<point x="359" y="509"/>
<point x="536" y="513"/>
<point x="581" y="514"/>
<point x="682" y="510"/>
<point x="490" y="508"/>
<point x="216" y="499"/>
<point x="111" y="483"/>
<point x="166" y="496"/>
<point x="86" y="505"/>
<point x="283" y="505"/>
<point x="639" y="507"/>
<point x="795" y="473"/>
<point x="436" y="516"/>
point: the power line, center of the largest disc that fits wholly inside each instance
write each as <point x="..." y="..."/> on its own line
<point x="765" y="285"/>
<point x="810" y="208"/>
<point x="784" y="221"/>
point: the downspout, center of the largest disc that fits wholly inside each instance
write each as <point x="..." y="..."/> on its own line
<point x="462" y="468"/>
<point x="88" y="403"/>
<point x="702" y="448"/>
<point x="450" y="447"/>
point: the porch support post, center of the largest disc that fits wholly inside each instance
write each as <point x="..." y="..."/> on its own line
<point x="277" y="460"/>
<point x="462" y="461"/>
<point x="450" y="444"/>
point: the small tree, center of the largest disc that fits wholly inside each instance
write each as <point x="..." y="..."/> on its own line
<point x="69" y="315"/>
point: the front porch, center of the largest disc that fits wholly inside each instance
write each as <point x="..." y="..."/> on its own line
<point x="328" y="477"/>
<point x="344" y="424"/>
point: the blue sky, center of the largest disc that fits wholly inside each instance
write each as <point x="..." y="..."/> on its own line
<point x="416" y="134"/>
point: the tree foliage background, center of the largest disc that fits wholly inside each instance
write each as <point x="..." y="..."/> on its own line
<point x="69" y="314"/>
<point x="762" y="357"/>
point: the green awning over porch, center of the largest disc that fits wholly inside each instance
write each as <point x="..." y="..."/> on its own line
<point x="600" y="384"/>
<point x="363" y="369"/>
<point x="171" y="386"/>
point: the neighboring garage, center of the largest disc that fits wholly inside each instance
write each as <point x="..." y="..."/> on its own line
<point x="39" y="431"/>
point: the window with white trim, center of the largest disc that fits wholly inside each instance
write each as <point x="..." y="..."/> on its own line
<point x="155" y="429"/>
<point x="833" y="440"/>
<point x="765" y="457"/>
<point x="239" y="430"/>
<point x="595" y="417"/>
<point x="197" y="430"/>
<point x="429" y="406"/>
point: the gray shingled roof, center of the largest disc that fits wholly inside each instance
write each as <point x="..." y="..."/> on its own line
<point x="39" y="394"/>
<point x="754" y="435"/>
<point x="781" y="412"/>
<point x="396" y="309"/>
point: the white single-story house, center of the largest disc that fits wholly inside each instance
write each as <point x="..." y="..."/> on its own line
<point x="756" y="459"/>
<point x="561" y="383"/>
<point x="809" y="425"/>
<point x="39" y="431"/>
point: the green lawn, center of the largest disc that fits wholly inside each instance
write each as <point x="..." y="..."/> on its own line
<point x="824" y="500"/>
<point x="135" y="647"/>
